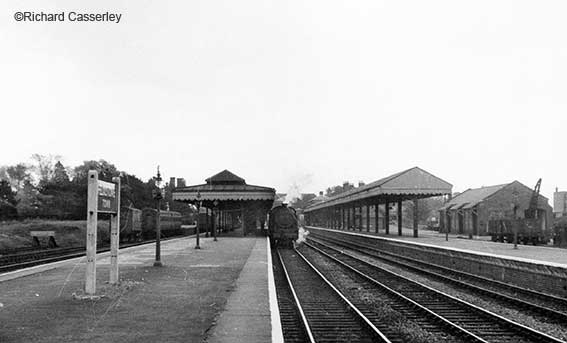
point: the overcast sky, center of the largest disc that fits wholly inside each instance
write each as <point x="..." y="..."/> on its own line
<point x="283" y="92"/>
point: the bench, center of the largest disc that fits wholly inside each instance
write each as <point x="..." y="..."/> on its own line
<point x="47" y="235"/>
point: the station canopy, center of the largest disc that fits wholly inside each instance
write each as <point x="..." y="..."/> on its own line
<point x="414" y="183"/>
<point x="226" y="189"/>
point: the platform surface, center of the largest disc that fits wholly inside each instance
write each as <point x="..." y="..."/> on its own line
<point x="479" y="244"/>
<point x="184" y="301"/>
<point x="246" y="317"/>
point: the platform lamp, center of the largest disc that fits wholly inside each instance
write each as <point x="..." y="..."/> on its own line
<point x="215" y="211"/>
<point x="198" y="203"/>
<point x="157" y="195"/>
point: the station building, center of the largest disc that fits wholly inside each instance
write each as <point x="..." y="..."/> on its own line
<point x="230" y="202"/>
<point x="470" y="211"/>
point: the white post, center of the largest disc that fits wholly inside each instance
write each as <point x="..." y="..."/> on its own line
<point x="92" y="209"/>
<point x="115" y="235"/>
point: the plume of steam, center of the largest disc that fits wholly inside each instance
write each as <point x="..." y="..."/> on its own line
<point x="293" y="193"/>
<point x="302" y="235"/>
<point x="297" y="183"/>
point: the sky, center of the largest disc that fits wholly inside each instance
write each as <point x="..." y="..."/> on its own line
<point x="283" y="93"/>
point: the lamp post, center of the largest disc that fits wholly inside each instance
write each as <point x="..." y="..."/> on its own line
<point x="198" y="203"/>
<point x="158" y="196"/>
<point x="215" y="204"/>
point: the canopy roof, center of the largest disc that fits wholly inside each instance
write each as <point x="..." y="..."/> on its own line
<point x="225" y="177"/>
<point x="223" y="186"/>
<point x="474" y="196"/>
<point x="471" y="197"/>
<point x="412" y="183"/>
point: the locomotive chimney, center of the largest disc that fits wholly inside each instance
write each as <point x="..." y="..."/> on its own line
<point x="171" y="182"/>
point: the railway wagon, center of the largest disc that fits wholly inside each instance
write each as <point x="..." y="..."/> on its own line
<point x="170" y="223"/>
<point x="130" y="224"/>
<point x="530" y="231"/>
<point x="560" y="232"/>
<point x="283" y="226"/>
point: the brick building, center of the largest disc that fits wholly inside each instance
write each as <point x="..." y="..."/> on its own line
<point x="470" y="211"/>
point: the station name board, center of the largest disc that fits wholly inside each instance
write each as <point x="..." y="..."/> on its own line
<point x="107" y="201"/>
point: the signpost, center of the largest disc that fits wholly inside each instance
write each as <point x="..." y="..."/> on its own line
<point x="103" y="197"/>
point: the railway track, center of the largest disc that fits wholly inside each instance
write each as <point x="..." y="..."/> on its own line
<point x="294" y="324"/>
<point x="547" y="308"/>
<point x="465" y="320"/>
<point x="327" y="315"/>
<point x="43" y="256"/>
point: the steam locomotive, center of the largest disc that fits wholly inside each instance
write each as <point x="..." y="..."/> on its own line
<point x="283" y="226"/>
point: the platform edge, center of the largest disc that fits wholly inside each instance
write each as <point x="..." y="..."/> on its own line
<point x="277" y="333"/>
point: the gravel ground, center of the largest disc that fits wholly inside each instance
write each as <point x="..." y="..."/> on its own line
<point x="555" y="330"/>
<point x="408" y="330"/>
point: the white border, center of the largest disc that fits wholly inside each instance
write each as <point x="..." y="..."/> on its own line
<point x="471" y="252"/>
<point x="277" y="333"/>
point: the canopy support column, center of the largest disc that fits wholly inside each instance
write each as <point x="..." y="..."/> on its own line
<point x="399" y="217"/>
<point x="387" y="218"/>
<point x="376" y="216"/>
<point x="415" y="218"/>
<point x="367" y="217"/>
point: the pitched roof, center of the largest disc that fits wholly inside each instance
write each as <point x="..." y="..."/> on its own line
<point x="472" y="196"/>
<point x="413" y="181"/>
<point x="223" y="186"/>
<point x="225" y="177"/>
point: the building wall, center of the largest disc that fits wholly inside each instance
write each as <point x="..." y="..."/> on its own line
<point x="560" y="203"/>
<point x="498" y="206"/>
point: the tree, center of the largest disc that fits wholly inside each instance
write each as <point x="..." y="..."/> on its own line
<point x="6" y="193"/>
<point x="15" y="175"/>
<point x="135" y="192"/>
<point x="7" y="201"/>
<point x="79" y="183"/>
<point x="60" y="176"/>
<point x="28" y="200"/>
<point x="58" y="198"/>
<point x="45" y="166"/>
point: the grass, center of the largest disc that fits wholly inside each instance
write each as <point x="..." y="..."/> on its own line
<point x="68" y="233"/>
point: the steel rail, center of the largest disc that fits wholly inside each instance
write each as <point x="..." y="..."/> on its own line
<point x="67" y="256"/>
<point x="524" y="330"/>
<point x="513" y="288"/>
<point x="296" y="299"/>
<point x="404" y="298"/>
<point x="523" y="304"/>
<point x="374" y="329"/>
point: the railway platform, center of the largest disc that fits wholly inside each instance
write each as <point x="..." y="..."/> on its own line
<point x="220" y="293"/>
<point x="543" y="269"/>
<point x="478" y="244"/>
